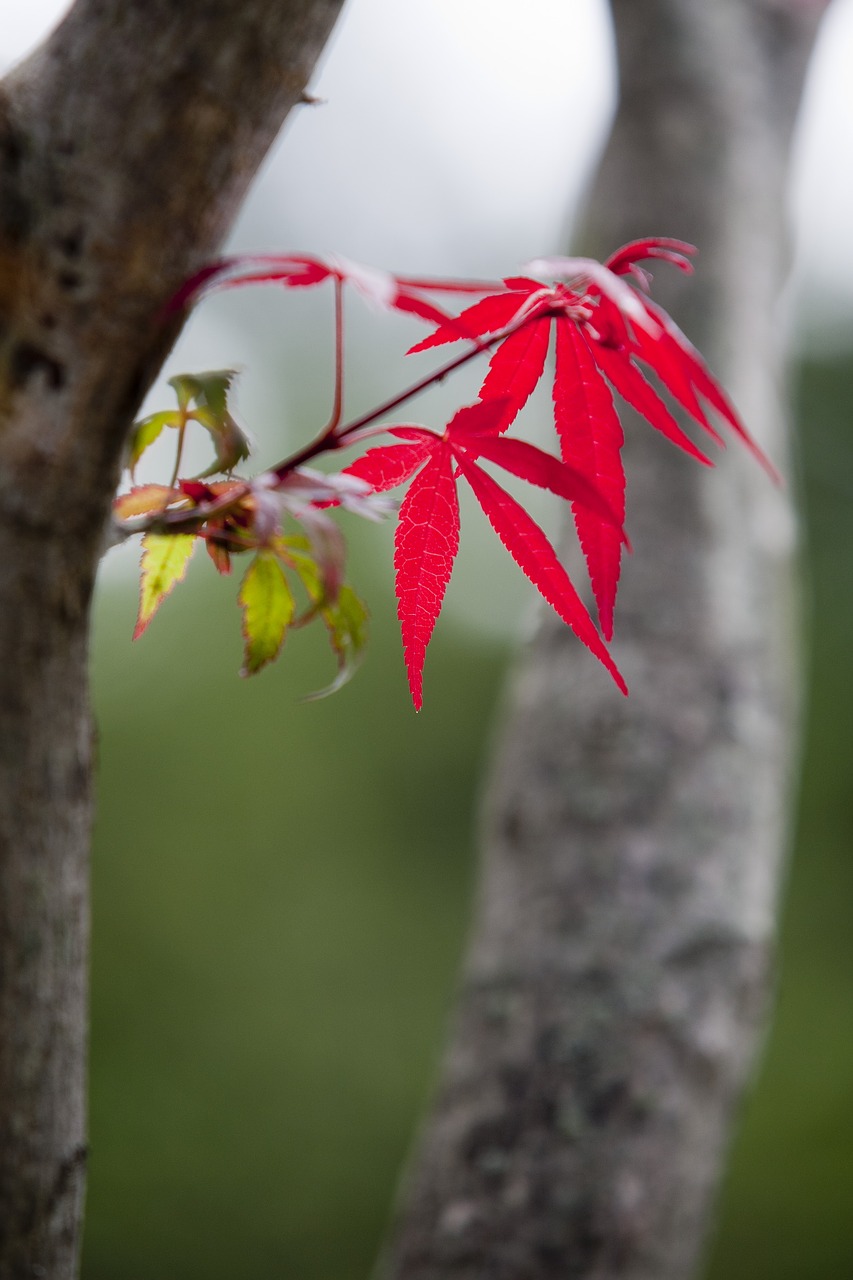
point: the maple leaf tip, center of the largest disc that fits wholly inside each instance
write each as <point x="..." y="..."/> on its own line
<point x="416" y="689"/>
<point x="613" y="670"/>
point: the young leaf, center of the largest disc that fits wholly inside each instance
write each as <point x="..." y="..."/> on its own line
<point x="426" y="543"/>
<point x="230" y="442"/>
<point x="590" y="279"/>
<point x="145" y="432"/>
<point x="328" y="548"/>
<point x="268" y="607"/>
<point x="210" y="392"/>
<point x="209" y="389"/>
<point x="346" y="622"/>
<point x="143" y="499"/>
<point x="677" y="252"/>
<point x="219" y="554"/>
<point x="533" y="553"/>
<point x="295" y="552"/>
<point x="164" y="564"/>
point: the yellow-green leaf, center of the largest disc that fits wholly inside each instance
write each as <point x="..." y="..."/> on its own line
<point x="164" y="563"/>
<point x="346" y="621"/>
<point x="268" y="608"/>
<point x="144" y="499"/>
<point x="209" y="388"/>
<point x="295" y="552"/>
<point x="230" y="443"/>
<point x="145" y="432"/>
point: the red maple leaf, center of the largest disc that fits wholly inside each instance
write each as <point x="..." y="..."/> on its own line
<point x="524" y="307"/>
<point x="427" y="536"/>
<point x="591" y="435"/>
<point x="608" y="335"/>
<point x="300" y="271"/>
<point x="425" y="547"/>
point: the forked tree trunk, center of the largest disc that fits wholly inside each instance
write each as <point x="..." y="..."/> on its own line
<point x="126" y="145"/>
<point x="617" y="979"/>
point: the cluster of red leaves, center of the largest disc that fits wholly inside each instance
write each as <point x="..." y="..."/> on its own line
<point x="428" y="531"/>
<point x="608" y="337"/>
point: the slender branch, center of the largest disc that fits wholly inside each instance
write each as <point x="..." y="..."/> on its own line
<point x="338" y="403"/>
<point x="179" y="449"/>
<point x="343" y="437"/>
<point x="185" y="519"/>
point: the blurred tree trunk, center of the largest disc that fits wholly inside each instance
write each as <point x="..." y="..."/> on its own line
<point x="126" y="145"/>
<point x="617" y="980"/>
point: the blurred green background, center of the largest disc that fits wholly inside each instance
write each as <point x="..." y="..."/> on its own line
<point x="280" y="895"/>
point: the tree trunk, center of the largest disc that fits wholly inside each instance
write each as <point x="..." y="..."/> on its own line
<point x="126" y="145"/>
<point x="617" y="979"/>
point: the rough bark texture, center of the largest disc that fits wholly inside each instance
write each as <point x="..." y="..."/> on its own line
<point x="126" y="145"/>
<point x="618" y="976"/>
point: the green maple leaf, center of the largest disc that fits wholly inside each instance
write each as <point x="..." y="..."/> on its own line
<point x="268" y="608"/>
<point x="164" y="563"/>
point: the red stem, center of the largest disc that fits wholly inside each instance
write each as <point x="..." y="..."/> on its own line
<point x="336" y="437"/>
<point x="450" y="286"/>
<point x="338" y="403"/>
<point x="340" y="438"/>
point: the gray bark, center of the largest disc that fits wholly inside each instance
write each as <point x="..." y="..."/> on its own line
<point x="126" y="146"/>
<point x="617" y="980"/>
